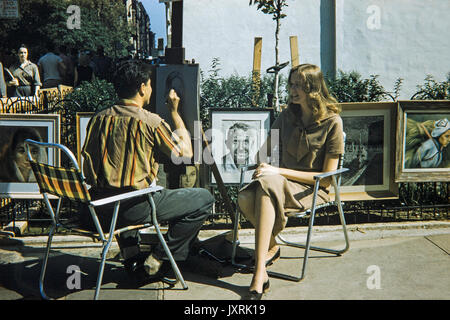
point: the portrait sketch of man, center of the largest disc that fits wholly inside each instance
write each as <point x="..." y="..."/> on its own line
<point x="240" y="145"/>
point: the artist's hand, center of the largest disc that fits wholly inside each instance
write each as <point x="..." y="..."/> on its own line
<point x="14" y="82"/>
<point x="265" y="169"/>
<point x="173" y="101"/>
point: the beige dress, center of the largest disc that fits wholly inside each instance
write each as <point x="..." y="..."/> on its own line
<point x="300" y="148"/>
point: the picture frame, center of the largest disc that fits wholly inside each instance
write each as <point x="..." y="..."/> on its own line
<point x="255" y="121"/>
<point x="82" y="120"/>
<point x="369" y="151"/>
<point x="16" y="177"/>
<point x="423" y="153"/>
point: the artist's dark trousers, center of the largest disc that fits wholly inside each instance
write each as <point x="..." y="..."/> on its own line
<point x="185" y="210"/>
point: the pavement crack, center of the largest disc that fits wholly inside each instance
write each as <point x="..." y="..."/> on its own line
<point x="443" y="249"/>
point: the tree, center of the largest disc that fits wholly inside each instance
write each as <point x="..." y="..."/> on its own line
<point x="274" y="8"/>
<point x="103" y="22"/>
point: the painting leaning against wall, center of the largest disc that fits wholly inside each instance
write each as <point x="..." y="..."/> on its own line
<point x="423" y="137"/>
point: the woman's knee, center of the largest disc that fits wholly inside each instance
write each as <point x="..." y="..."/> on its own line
<point x="246" y="200"/>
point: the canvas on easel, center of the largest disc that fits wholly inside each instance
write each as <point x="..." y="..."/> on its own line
<point x="184" y="79"/>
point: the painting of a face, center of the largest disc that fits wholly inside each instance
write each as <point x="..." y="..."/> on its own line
<point x="239" y="144"/>
<point x="189" y="180"/>
<point x="184" y="79"/>
<point x="444" y="139"/>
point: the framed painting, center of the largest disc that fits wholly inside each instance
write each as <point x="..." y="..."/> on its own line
<point x="16" y="177"/>
<point x="82" y="119"/>
<point x="369" y="151"/>
<point x="423" y="137"/>
<point x="236" y="136"/>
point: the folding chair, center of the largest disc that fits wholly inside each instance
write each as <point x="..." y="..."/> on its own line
<point x="336" y="180"/>
<point x="70" y="183"/>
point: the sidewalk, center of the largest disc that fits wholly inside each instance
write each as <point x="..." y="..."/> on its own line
<point x="393" y="261"/>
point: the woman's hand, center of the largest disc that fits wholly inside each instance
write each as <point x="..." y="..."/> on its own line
<point x="265" y="169"/>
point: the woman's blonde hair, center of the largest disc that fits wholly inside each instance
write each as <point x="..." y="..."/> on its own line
<point x="313" y="84"/>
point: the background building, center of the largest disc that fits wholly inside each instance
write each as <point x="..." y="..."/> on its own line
<point x="142" y="39"/>
<point x="392" y="39"/>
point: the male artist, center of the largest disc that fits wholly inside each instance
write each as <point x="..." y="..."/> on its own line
<point x="121" y="146"/>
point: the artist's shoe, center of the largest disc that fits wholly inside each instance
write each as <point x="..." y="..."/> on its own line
<point x="255" y="295"/>
<point x="134" y="264"/>
<point x="152" y="265"/>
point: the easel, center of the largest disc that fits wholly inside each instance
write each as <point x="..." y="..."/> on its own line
<point x="176" y="55"/>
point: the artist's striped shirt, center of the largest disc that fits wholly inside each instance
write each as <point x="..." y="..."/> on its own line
<point x="121" y="145"/>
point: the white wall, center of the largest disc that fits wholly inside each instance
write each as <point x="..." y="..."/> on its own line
<point x="226" y="29"/>
<point x="410" y="40"/>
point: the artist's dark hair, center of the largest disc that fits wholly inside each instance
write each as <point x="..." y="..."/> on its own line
<point x="128" y="77"/>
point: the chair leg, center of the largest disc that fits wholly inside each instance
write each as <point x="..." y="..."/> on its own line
<point x="236" y="241"/>
<point x="164" y="244"/>
<point x="106" y="246"/>
<point x="45" y="261"/>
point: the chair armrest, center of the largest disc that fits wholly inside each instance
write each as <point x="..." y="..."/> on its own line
<point x="124" y="196"/>
<point x="249" y="167"/>
<point x="330" y="173"/>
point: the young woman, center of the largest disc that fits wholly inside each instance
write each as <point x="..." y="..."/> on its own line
<point x="310" y="142"/>
<point x="26" y="75"/>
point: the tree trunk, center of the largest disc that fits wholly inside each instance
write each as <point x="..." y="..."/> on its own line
<point x="277" y="63"/>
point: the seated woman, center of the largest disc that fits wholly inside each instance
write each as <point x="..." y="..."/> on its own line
<point x="310" y="142"/>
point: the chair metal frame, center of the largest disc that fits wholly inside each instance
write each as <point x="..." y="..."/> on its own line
<point x="105" y="238"/>
<point x="336" y="180"/>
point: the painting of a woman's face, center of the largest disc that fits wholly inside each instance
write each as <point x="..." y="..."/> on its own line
<point x="189" y="179"/>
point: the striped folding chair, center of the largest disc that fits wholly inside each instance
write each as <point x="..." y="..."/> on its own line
<point x="69" y="183"/>
<point x="311" y="212"/>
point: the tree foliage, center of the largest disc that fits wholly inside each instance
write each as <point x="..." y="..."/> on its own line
<point x="274" y="8"/>
<point x="103" y="22"/>
<point x="271" y="7"/>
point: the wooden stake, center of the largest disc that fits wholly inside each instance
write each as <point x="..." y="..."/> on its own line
<point x="256" y="74"/>
<point x="294" y="51"/>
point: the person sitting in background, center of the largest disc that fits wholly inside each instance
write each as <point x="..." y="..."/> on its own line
<point x="26" y="79"/>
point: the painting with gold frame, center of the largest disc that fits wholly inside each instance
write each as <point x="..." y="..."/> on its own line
<point x="423" y="136"/>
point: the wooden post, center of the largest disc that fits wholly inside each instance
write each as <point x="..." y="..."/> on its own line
<point x="256" y="73"/>
<point x="175" y="54"/>
<point x="294" y="51"/>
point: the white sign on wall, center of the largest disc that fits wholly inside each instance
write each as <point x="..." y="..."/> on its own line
<point x="9" y="9"/>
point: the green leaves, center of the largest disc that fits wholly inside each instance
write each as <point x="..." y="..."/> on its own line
<point x="271" y="7"/>
<point x="103" y="22"/>
<point x="433" y="90"/>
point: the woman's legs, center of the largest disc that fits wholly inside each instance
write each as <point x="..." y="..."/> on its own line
<point x="263" y="236"/>
<point x="246" y="201"/>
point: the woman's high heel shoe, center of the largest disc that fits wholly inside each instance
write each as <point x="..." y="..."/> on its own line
<point x="255" y="295"/>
